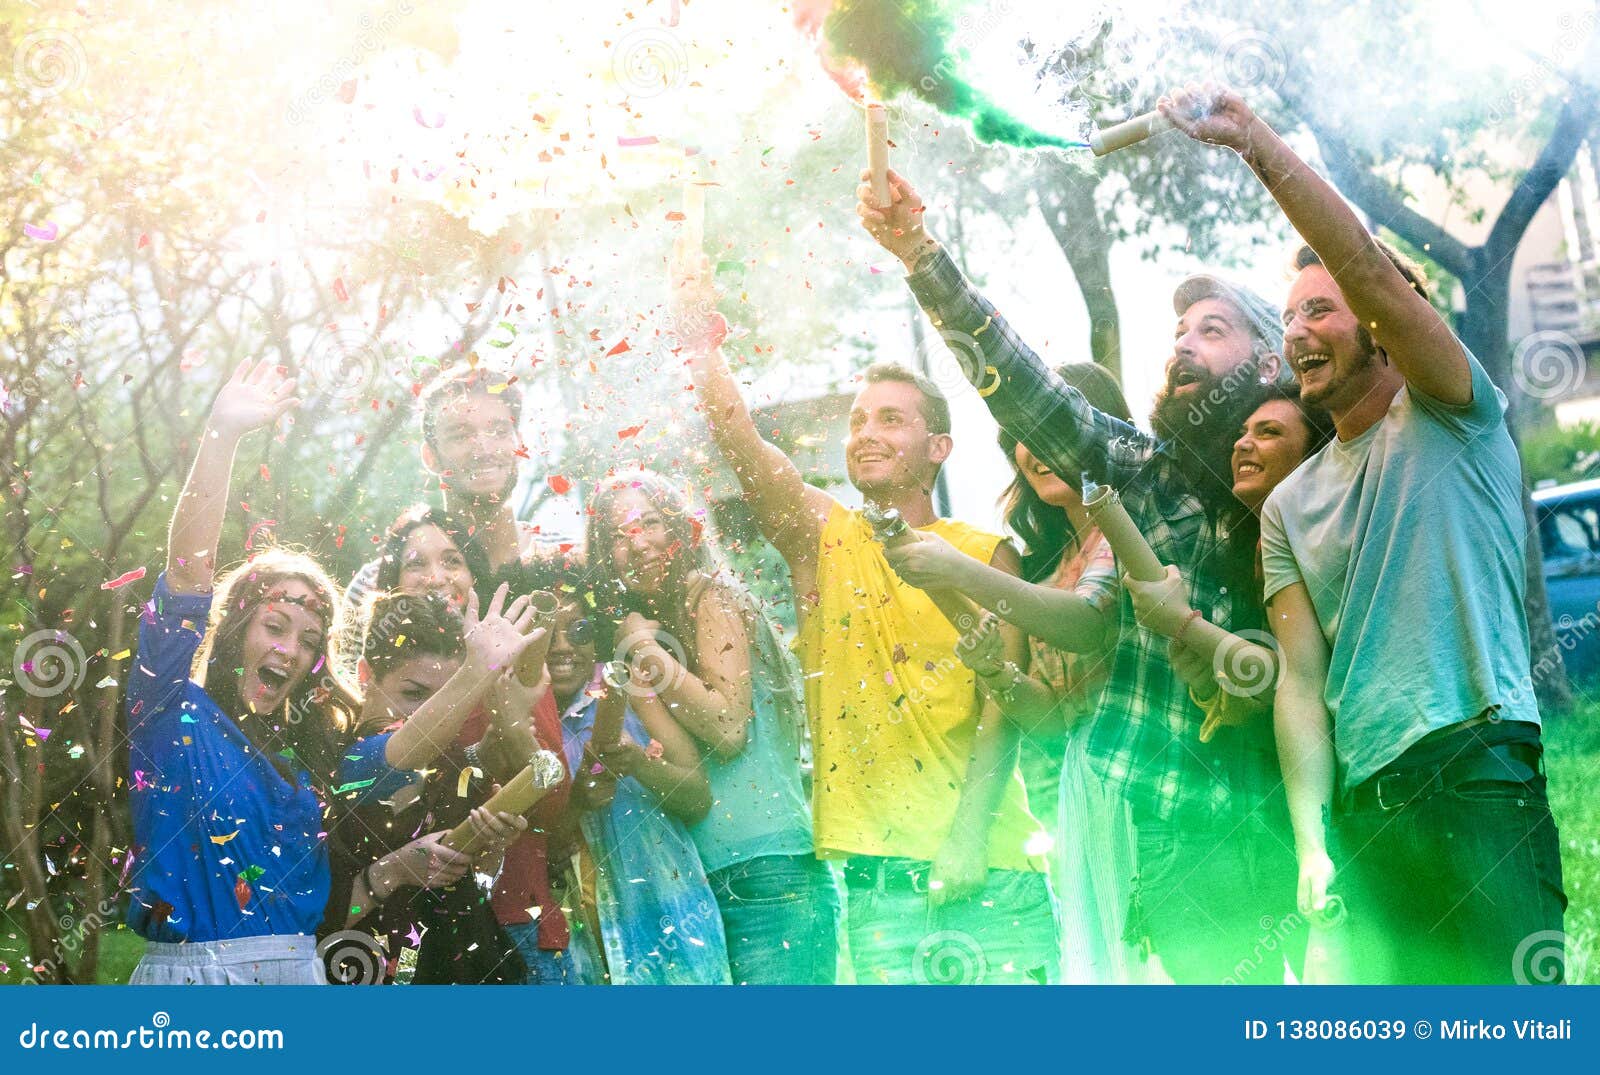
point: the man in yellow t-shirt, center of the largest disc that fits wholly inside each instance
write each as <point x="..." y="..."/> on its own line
<point x="916" y="782"/>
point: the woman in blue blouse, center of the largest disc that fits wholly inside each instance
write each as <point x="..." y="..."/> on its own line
<point x="695" y="634"/>
<point x="233" y="718"/>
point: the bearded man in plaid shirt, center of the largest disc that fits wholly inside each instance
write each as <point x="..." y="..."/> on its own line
<point x="1215" y="897"/>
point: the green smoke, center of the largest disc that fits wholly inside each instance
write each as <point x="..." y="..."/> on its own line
<point x="908" y="46"/>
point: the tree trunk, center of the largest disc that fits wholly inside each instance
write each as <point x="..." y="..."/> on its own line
<point x="1485" y="329"/>
<point x="1066" y="199"/>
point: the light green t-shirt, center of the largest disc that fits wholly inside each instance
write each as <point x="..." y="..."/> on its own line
<point x="1411" y="542"/>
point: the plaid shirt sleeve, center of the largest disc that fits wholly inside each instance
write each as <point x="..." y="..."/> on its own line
<point x="1027" y="398"/>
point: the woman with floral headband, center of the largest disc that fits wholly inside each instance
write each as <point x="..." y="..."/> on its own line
<point x="234" y="721"/>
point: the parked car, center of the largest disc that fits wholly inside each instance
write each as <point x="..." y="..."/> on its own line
<point x="1569" y="533"/>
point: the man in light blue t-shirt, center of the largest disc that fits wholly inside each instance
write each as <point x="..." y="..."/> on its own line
<point x="1394" y="573"/>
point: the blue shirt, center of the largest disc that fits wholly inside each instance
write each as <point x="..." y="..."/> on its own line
<point x="1410" y="539"/>
<point x="224" y="847"/>
<point x="758" y="806"/>
<point x="659" y="922"/>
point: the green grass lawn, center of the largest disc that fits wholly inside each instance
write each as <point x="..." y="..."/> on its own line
<point x="1572" y="750"/>
<point x="1572" y="757"/>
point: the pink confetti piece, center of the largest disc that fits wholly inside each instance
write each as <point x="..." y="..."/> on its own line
<point x="640" y="140"/>
<point x="122" y="580"/>
<point x="432" y="120"/>
<point x="45" y="233"/>
<point x="250" y="536"/>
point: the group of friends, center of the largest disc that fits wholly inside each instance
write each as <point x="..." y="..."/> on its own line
<point x="1317" y="732"/>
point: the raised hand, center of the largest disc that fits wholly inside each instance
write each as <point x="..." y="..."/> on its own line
<point x="1210" y="113"/>
<point x="256" y="395"/>
<point x="497" y="638"/>
<point x="693" y="307"/>
<point x="897" y="227"/>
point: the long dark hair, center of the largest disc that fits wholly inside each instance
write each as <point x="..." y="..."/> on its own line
<point x="461" y="532"/>
<point x="308" y="728"/>
<point x="1045" y="530"/>
<point x="1244" y="533"/>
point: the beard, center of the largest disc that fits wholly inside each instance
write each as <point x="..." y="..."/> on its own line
<point x="1337" y="381"/>
<point x="1202" y="425"/>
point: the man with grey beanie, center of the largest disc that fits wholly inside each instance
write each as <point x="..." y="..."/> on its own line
<point x="1214" y="843"/>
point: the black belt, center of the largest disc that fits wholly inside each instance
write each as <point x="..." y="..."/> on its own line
<point x="897" y="875"/>
<point x="1512" y="763"/>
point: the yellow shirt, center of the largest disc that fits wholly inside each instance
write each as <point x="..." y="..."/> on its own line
<point x="893" y="712"/>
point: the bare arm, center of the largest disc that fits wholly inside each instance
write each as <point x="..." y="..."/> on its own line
<point x="961" y="865"/>
<point x="715" y="705"/>
<point x="1064" y="619"/>
<point x="1401" y="321"/>
<point x="1163" y="607"/>
<point x="1305" y="737"/>
<point x="493" y="645"/>
<point x="790" y="512"/>
<point x="253" y="397"/>
<point x="675" y="778"/>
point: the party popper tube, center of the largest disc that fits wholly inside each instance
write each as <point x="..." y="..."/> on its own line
<point x="1129" y="545"/>
<point x="1128" y="132"/>
<point x="878" y="152"/>
<point x="517" y="796"/>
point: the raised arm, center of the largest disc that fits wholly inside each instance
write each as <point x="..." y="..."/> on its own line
<point x="1401" y="321"/>
<point x="493" y="645"/>
<point x="256" y="395"/>
<point x="1305" y="737"/>
<point x="1027" y="398"/>
<point x="790" y="513"/>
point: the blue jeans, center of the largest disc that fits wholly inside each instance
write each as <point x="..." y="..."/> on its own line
<point x="1216" y="901"/>
<point x="545" y="967"/>
<point x="779" y="914"/>
<point x="1463" y="886"/>
<point x="1005" y="935"/>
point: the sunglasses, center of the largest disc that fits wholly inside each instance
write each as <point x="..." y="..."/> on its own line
<point x="580" y="632"/>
